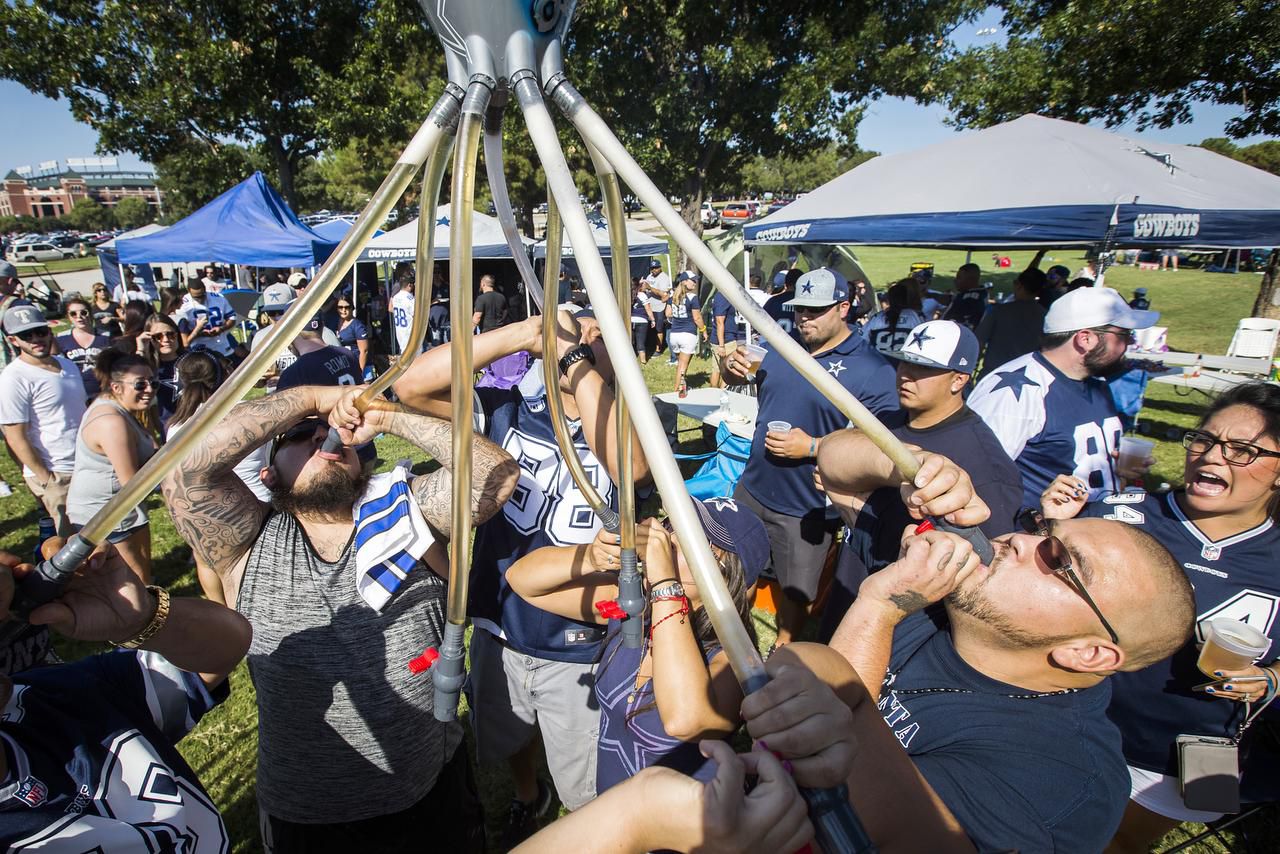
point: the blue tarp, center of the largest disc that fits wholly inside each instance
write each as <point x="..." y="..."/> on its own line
<point x="248" y="224"/>
<point x="1036" y="181"/>
<point x="336" y="229"/>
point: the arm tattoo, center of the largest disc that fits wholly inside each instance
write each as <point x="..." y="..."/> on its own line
<point x="493" y="471"/>
<point x="212" y="508"/>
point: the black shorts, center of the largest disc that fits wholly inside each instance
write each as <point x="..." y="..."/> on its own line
<point x="639" y="336"/>
<point x="798" y="545"/>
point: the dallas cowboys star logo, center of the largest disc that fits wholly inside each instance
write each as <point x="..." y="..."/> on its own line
<point x="834" y="368"/>
<point x="1014" y="381"/>
<point x="918" y="338"/>
<point x="444" y="220"/>
<point x="807" y="288"/>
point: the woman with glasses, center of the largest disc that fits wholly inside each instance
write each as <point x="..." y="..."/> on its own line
<point x="1219" y="527"/>
<point x="657" y="701"/>
<point x="110" y="448"/>
<point x="105" y="321"/>
<point x="353" y="335"/>
<point x="82" y="343"/>
<point x="161" y="345"/>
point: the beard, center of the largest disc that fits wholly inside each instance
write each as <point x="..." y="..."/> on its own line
<point x="330" y="493"/>
<point x="1098" y="364"/>
<point x="972" y="601"/>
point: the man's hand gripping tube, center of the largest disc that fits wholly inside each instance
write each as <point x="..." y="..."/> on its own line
<point x="43" y="584"/>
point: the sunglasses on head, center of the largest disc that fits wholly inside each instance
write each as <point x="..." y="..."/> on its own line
<point x="1054" y="554"/>
<point x="33" y="334"/>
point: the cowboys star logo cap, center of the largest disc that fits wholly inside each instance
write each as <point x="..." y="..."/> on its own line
<point x="818" y="288"/>
<point x="941" y="344"/>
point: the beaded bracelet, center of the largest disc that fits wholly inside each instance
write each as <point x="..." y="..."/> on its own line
<point x="682" y="613"/>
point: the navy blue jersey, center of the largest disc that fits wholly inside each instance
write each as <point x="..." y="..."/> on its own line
<point x="167" y="389"/>
<point x="546" y="509"/>
<point x="1051" y="424"/>
<point x="1234" y="579"/>
<point x="721" y="307"/>
<point x="682" y="314"/>
<point x="1019" y="770"/>
<point x="782" y="314"/>
<point x="84" y="357"/>
<point x="326" y="366"/>
<point x="438" y="329"/>
<point x="787" y="485"/>
<point x="876" y="535"/>
<point x="92" y="762"/>
<point x="967" y="307"/>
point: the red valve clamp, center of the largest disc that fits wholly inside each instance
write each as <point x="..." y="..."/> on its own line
<point x="610" y="610"/>
<point x="423" y="663"/>
<point x="923" y="527"/>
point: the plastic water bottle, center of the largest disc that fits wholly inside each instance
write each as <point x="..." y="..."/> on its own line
<point x="723" y="411"/>
<point x="47" y="530"/>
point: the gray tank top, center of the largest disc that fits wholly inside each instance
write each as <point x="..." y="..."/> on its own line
<point x="94" y="480"/>
<point x="345" y="731"/>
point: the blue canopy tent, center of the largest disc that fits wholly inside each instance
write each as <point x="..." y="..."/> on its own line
<point x="1034" y="182"/>
<point x="109" y="262"/>
<point x="248" y="224"/>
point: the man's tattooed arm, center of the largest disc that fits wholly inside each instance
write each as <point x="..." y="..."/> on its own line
<point x="212" y="509"/>
<point x="493" y="472"/>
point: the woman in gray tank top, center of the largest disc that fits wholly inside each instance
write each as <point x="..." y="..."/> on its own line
<point x="110" y="448"/>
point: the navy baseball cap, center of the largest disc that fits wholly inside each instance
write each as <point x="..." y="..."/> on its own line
<point x="820" y="287"/>
<point x="941" y="344"/>
<point x="655" y="264"/>
<point x="736" y="529"/>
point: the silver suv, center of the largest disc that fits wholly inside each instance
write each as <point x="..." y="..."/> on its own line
<point x="31" y="252"/>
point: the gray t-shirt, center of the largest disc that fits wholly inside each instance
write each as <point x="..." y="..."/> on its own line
<point x="345" y="731"/>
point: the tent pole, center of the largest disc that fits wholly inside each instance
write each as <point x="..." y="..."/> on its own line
<point x="968" y="256"/>
<point x="746" y="282"/>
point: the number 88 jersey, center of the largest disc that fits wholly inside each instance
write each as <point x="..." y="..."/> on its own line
<point x="1234" y="578"/>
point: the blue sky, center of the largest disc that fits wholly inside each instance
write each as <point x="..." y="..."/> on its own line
<point x="42" y="129"/>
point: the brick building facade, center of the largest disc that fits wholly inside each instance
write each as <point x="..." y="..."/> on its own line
<point x="56" y="193"/>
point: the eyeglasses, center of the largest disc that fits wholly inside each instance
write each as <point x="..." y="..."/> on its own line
<point x="1053" y="552"/>
<point x="142" y="384"/>
<point x="343" y="305"/>
<point x="816" y="310"/>
<point x="1126" y="334"/>
<point x="1233" y="453"/>
<point x="160" y="336"/>
<point x="77" y="314"/>
<point x="33" y="334"/>
<point x="303" y="430"/>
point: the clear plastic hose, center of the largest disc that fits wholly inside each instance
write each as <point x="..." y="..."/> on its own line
<point x="496" y="172"/>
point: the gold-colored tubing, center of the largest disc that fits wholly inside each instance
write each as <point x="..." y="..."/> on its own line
<point x="463" y="198"/>
<point x="551" y="363"/>
<point x="432" y="177"/>
<point x="611" y="193"/>
<point x="280" y="334"/>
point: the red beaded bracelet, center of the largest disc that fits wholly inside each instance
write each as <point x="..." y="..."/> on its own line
<point x="683" y="599"/>
<point x="682" y="613"/>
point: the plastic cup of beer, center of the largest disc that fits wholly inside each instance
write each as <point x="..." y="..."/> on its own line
<point x="779" y="426"/>
<point x="1230" y="645"/>
<point x="1133" y="452"/>
<point x="755" y="355"/>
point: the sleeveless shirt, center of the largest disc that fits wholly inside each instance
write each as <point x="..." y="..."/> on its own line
<point x="345" y="731"/>
<point x="94" y="480"/>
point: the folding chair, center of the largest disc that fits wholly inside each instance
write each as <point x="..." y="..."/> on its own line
<point x="1255" y="338"/>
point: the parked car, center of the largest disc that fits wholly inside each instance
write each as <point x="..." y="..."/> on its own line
<point x="710" y="216"/>
<point x="776" y="206"/>
<point x="736" y="212"/>
<point x="31" y="252"/>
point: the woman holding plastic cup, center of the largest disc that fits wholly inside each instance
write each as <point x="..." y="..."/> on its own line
<point x="1219" y="527"/>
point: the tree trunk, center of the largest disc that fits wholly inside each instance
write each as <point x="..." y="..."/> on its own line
<point x="1268" y="302"/>
<point x="284" y="171"/>
<point x="691" y="212"/>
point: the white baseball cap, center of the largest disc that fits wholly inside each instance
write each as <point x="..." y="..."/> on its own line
<point x="940" y="344"/>
<point x="1092" y="308"/>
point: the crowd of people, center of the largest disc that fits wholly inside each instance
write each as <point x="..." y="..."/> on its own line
<point x="1037" y="702"/>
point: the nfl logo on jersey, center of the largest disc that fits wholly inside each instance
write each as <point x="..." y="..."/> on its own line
<point x="31" y="792"/>
<point x="1209" y="552"/>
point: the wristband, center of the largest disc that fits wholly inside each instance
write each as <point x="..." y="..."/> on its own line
<point x="813" y="446"/>
<point x="682" y="613"/>
<point x="577" y="354"/>
<point x="157" y="622"/>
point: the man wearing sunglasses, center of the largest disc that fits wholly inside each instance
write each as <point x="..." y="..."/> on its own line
<point x="999" y="695"/>
<point x="1052" y="409"/>
<point x="777" y="484"/>
<point x="42" y="400"/>
<point x="10" y="295"/>
<point x="339" y="712"/>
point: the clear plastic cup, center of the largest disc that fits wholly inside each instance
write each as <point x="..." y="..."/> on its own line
<point x="1133" y="452"/>
<point x="755" y="355"/>
<point x="1230" y="645"/>
<point x="779" y="426"/>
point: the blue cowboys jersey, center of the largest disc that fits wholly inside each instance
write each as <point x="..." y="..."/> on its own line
<point x="1051" y="424"/>
<point x="92" y="766"/>
<point x="787" y="485"/>
<point x="546" y="509"/>
<point x="1234" y="579"/>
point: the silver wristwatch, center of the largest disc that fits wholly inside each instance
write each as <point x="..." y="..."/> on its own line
<point x="669" y="590"/>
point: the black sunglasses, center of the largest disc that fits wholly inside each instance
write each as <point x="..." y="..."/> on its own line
<point x="303" y="430"/>
<point x="33" y="334"/>
<point x="142" y="384"/>
<point x="1234" y="453"/>
<point x="1053" y="552"/>
<point x="77" y="314"/>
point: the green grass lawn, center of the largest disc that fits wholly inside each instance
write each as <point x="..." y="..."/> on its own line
<point x="1200" y="309"/>
<point x="70" y="265"/>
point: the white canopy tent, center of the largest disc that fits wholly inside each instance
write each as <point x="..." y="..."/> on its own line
<point x="640" y="244"/>
<point x="401" y="244"/>
<point x="1037" y="181"/>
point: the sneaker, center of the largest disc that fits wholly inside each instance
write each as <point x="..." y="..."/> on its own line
<point x="671" y="360"/>
<point x="522" y="820"/>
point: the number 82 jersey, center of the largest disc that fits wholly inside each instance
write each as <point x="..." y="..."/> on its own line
<point x="1235" y="578"/>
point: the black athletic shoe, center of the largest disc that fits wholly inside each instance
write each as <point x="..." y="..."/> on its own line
<point x="522" y="820"/>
